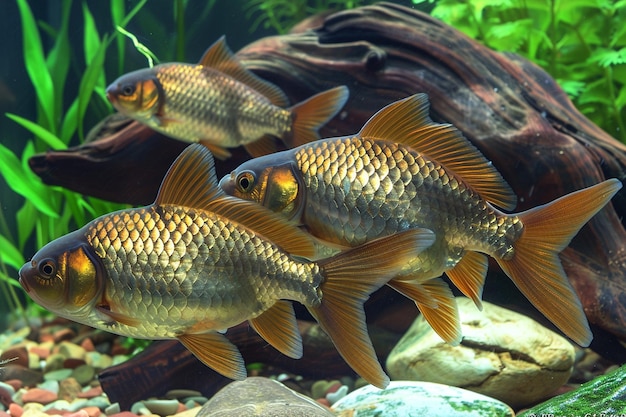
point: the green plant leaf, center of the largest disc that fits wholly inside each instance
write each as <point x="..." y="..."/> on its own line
<point x="10" y="255"/>
<point x="58" y="61"/>
<point x="26" y="218"/>
<point x="36" y="64"/>
<point x="22" y="182"/>
<point x="48" y="137"/>
<point x="608" y="57"/>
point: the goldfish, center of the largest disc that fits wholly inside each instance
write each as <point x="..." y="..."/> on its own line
<point x="197" y="262"/>
<point x="220" y="104"/>
<point x="403" y="171"/>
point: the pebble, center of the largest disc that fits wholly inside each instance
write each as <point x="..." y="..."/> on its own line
<point x="69" y="389"/>
<point x="54" y="362"/>
<point x="258" y="396"/>
<point x="15" y="410"/>
<point x="91" y="392"/>
<point x="58" y="374"/>
<point x="417" y="398"/>
<point x="112" y="409"/>
<point x="182" y="393"/>
<point x="98" y="360"/>
<point x="16" y="356"/>
<point x="71" y="350"/>
<point x="84" y="374"/>
<point x="38" y="395"/>
<point x="50" y="385"/>
<point x="162" y="407"/>
<point x="335" y="396"/>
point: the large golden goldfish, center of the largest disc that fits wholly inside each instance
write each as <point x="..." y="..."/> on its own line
<point x="403" y="171"/>
<point x="197" y="262"/>
<point x="220" y="104"/>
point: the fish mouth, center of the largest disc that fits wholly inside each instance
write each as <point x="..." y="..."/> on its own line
<point x="227" y="184"/>
<point x="22" y="276"/>
<point x="111" y="94"/>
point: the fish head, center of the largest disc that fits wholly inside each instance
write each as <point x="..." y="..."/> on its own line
<point x="65" y="276"/>
<point x="138" y="94"/>
<point x="277" y="186"/>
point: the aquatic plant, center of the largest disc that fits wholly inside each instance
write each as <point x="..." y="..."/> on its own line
<point x="48" y="212"/>
<point x="581" y="43"/>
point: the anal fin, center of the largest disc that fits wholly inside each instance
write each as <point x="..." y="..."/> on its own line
<point x="443" y="316"/>
<point x="279" y="328"/>
<point x="218" y="151"/>
<point x="215" y="351"/>
<point x="468" y="275"/>
<point x="264" y="146"/>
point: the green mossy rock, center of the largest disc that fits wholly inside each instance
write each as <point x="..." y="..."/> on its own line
<point x="605" y="395"/>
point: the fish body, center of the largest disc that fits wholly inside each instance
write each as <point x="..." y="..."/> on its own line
<point x="220" y="103"/>
<point x="197" y="262"/>
<point x="403" y="171"/>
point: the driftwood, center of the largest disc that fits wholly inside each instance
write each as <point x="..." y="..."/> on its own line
<point x="508" y="107"/>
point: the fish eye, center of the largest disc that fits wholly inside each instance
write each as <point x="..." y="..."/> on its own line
<point x="47" y="268"/>
<point x="128" y="89"/>
<point x="245" y="181"/>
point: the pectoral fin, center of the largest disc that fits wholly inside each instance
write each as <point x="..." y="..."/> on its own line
<point x="215" y="351"/>
<point x="279" y="328"/>
<point x="117" y="317"/>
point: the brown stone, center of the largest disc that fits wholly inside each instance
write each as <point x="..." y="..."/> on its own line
<point x="28" y="377"/>
<point x="38" y="395"/>
<point x="41" y="351"/>
<point x="69" y="389"/>
<point x="16" y="356"/>
<point x="16" y="410"/>
<point x="92" y="392"/>
<point x="88" y="345"/>
<point x="63" y="334"/>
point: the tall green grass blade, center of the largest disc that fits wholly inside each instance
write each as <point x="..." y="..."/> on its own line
<point x="11" y="255"/>
<point x="26" y="220"/>
<point x="70" y="122"/>
<point x="58" y="61"/>
<point x="117" y="15"/>
<point x="88" y="84"/>
<point x="48" y="137"/>
<point x="24" y="183"/>
<point x="36" y="64"/>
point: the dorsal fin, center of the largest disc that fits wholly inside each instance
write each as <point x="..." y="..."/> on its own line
<point x="220" y="58"/>
<point x="192" y="182"/>
<point x="407" y="121"/>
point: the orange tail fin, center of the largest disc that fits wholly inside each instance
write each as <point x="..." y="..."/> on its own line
<point x="313" y="113"/>
<point x="536" y="268"/>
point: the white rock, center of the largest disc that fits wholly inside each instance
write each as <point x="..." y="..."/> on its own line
<point x="504" y="355"/>
<point x="411" y="398"/>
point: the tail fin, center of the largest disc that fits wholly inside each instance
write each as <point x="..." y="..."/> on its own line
<point x="351" y="277"/>
<point x="536" y="268"/>
<point x="313" y="113"/>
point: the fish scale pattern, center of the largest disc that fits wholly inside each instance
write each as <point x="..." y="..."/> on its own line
<point x="360" y="189"/>
<point x="205" y="104"/>
<point x="182" y="268"/>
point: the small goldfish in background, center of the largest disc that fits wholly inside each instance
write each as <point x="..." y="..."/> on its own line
<point x="197" y="262"/>
<point x="403" y="171"/>
<point x="220" y="104"/>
